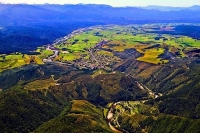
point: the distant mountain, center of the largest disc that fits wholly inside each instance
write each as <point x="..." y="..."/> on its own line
<point x="163" y="8"/>
<point x="21" y="14"/>
<point x="48" y="22"/>
<point x="169" y="8"/>
<point x="195" y="7"/>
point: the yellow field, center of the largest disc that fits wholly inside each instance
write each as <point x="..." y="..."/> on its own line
<point x="38" y="60"/>
<point x="152" y="56"/>
<point x="106" y="53"/>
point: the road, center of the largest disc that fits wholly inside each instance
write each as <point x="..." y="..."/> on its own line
<point x="110" y="116"/>
<point x="55" y="54"/>
<point x="114" y="129"/>
<point x="50" y="58"/>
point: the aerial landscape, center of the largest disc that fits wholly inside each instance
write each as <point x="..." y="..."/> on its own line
<point x="99" y="67"/>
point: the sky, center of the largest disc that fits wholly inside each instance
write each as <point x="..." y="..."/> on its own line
<point x="115" y="3"/>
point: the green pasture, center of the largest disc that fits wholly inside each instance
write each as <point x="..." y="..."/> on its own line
<point x="47" y="52"/>
<point x="70" y="56"/>
<point x="16" y="60"/>
<point x="14" y="56"/>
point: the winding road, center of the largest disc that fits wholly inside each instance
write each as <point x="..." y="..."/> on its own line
<point x="110" y="116"/>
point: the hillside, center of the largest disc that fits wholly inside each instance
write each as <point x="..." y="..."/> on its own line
<point x="75" y="114"/>
<point x="45" y="93"/>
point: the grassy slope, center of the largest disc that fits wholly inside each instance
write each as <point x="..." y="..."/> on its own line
<point x="152" y="56"/>
<point x="40" y="84"/>
<point x="169" y="124"/>
<point x="78" y="116"/>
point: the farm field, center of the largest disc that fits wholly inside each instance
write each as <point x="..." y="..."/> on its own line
<point x="93" y="44"/>
<point x="17" y="60"/>
<point x="101" y="47"/>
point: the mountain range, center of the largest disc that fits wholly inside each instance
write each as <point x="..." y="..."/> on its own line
<point x="169" y="8"/>
<point x="22" y="23"/>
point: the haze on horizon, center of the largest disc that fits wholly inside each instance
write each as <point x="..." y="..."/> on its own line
<point x="115" y="3"/>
